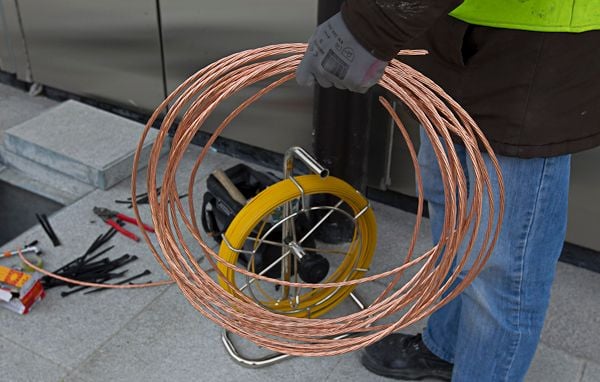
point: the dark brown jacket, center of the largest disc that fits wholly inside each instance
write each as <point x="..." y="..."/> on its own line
<point x="534" y="94"/>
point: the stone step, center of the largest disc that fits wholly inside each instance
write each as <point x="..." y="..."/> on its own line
<point x="23" y="181"/>
<point x="79" y="141"/>
<point x="42" y="180"/>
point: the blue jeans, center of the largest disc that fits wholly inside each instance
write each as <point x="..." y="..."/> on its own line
<point x="491" y="330"/>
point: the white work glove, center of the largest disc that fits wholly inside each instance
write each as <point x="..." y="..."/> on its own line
<point x="334" y="57"/>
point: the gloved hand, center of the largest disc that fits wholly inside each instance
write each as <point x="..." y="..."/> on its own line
<point x="335" y="57"/>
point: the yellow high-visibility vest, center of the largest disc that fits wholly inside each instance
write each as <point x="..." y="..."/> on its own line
<point x="534" y="15"/>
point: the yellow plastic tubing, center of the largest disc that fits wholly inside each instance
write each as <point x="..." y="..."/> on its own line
<point x="319" y="300"/>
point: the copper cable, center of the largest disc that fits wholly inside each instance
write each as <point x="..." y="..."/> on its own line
<point x="445" y="123"/>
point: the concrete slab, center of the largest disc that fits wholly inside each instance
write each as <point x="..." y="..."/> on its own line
<point x="7" y="91"/>
<point x="573" y="319"/>
<point x="17" y="106"/>
<point x="591" y="372"/>
<point x="49" y="183"/>
<point x="89" y="144"/>
<point x="170" y="340"/>
<point x="18" y="364"/>
<point x="551" y="365"/>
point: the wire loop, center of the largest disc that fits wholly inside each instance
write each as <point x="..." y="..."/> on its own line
<point x="444" y="122"/>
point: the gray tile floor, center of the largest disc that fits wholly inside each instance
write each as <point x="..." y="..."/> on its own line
<point x="154" y="334"/>
<point x="16" y="106"/>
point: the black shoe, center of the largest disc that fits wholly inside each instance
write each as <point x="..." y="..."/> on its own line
<point x="402" y="356"/>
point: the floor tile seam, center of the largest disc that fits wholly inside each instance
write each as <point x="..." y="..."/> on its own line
<point x="125" y="324"/>
<point x="61" y="366"/>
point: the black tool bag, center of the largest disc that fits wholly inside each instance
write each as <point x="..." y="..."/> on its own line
<point x="219" y="207"/>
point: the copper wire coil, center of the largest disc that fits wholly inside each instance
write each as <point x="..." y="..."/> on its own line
<point x="443" y="120"/>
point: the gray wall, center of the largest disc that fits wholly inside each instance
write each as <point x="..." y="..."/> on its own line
<point x="13" y="53"/>
<point x="111" y="50"/>
<point x="197" y="33"/>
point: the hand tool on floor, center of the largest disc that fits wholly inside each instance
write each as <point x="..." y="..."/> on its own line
<point x="26" y="250"/>
<point x="30" y="249"/>
<point x="45" y="223"/>
<point x="108" y="216"/>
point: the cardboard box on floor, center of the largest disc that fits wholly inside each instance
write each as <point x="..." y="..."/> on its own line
<point x="19" y="291"/>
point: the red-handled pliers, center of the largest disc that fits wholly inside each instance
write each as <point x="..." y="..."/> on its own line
<point x="108" y="216"/>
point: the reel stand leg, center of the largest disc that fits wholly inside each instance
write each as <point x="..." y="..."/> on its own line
<point x="256" y="363"/>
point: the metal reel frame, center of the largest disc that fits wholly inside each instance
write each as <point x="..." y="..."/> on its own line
<point x="288" y="230"/>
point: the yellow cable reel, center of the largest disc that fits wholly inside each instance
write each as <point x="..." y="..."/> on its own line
<point x="351" y="262"/>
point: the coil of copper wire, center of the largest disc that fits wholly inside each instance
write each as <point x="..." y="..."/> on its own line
<point x="445" y="123"/>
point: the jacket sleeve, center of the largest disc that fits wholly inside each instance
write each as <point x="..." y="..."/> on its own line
<point x="383" y="27"/>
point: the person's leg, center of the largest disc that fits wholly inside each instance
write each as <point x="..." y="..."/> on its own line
<point x="490" y="332"/>
<point x="501" y="313"/>
<point x="404" y="356"/>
